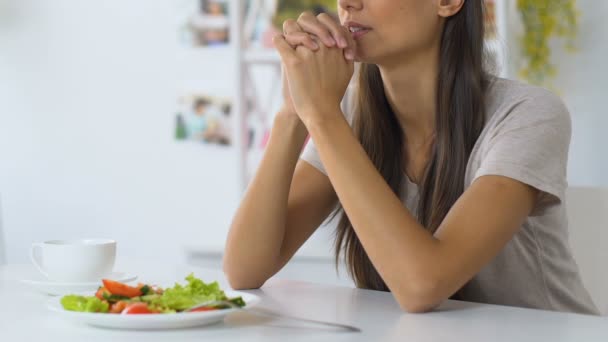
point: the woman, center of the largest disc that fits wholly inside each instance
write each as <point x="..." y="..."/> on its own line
<point x="450" y="183"/>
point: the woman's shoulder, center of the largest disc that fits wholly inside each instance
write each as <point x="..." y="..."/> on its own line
<point x="524" y="103"/>
<point x="505" y="92"/>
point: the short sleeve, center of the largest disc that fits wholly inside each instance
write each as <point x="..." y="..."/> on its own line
<point x="531" y="145"/>
<point x="311" y="156"/>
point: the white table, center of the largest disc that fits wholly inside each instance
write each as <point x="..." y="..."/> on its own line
<point x="23" y="316"/>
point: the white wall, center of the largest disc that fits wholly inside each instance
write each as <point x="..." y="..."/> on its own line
<point x="582" y="81"/>
<point x="87" y="97"/>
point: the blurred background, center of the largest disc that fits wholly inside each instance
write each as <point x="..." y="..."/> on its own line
<point x="143" y="121"/>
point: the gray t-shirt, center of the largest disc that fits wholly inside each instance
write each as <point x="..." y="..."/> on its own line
<point x="526" y="138"/>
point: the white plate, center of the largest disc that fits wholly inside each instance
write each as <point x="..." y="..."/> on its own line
<point x="56" y="288"/>
<point x="153" y="321"/>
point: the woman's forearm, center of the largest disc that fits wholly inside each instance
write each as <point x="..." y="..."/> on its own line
<point x="257" y="230"/>
<point x="387" y="230"/>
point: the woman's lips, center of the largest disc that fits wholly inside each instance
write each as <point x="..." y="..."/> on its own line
<point x="359" y="32"/>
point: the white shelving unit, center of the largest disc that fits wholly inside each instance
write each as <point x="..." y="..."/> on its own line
<point x="249" y="103"/>
<point x="261" y="56"/>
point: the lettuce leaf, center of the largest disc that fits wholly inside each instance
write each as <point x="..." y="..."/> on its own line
<point x="182" y="297"/>
<point x="84" y="304"/>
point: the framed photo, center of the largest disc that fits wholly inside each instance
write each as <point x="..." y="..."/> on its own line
<point x="205" y="23"/>
<point x="203" y="119"/>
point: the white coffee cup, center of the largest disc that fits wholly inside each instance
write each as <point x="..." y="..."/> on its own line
<point x="74" y="260"/>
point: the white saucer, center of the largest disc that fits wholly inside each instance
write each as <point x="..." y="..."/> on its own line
<point x="56" y="288"/>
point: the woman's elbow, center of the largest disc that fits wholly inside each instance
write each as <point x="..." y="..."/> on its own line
<point x="239" y="284"/>
<point x="416" y="307"/>
<point x="419" y="299"/>
<point x="239" y="280"/>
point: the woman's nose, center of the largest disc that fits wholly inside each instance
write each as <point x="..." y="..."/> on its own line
<point x="350" y="4"/>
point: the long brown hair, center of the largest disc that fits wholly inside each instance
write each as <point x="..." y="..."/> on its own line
<point x="460" y="117"/>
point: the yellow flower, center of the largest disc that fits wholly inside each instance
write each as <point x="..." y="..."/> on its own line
<point x="544" y="19"/>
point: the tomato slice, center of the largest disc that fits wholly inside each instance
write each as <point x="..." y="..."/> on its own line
<point x="138" y="308"/>
<point x="101" y="291"/>
<point x="121" y="289"/>
<point x="118" y="307"/>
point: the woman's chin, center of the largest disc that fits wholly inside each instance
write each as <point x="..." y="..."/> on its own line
<point x="362" y="57"/>
<point x="359" y="58"/>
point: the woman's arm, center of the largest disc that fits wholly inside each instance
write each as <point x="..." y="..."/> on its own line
<point x="279" y="211"/>
<point x="420" y="269"/>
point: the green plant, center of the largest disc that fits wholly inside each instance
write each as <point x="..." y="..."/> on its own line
<point x="291" y="9"/>
<point x="543" y="20"/>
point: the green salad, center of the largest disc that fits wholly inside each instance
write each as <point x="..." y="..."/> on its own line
<point x="119" y="298"/>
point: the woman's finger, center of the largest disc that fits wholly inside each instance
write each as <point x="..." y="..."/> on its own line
<point x="337" y="31"/>
<point x="341" y="34"/>
<point x="285" y="50"/>
<point x="309" y="23"/>
<point x="301" y="38"/>
<point x="291" y="26"/>
<point x="295" y="35"/>
<point x="350" y="51"/>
